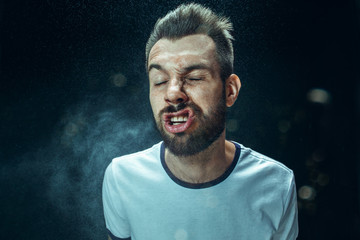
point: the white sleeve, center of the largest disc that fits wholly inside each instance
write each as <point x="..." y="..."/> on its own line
<point x="288" y="228"/>
<point x="115" y="219"/>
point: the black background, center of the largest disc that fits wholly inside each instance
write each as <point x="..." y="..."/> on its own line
<point x="66" y="109"/>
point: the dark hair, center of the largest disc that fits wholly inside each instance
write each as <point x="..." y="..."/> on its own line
<point x="188" y="19"/>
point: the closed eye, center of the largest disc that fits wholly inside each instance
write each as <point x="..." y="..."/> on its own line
<point x="194" y="78"/>
<point x="159" y="83"/>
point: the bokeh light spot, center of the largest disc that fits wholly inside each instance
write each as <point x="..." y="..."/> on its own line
<point x="71" y="129"/>
<point x="284" y="126"/>
<point x="119" y="80"/>
<point x="318" y="95"/>
<point x="318" y="156"/>
<point x="323" y="179"/>
<point x="307" y="193"/>
<point x="232" y="125"/>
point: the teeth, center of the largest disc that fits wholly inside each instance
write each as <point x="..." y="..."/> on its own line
<point x="179" y="119"/>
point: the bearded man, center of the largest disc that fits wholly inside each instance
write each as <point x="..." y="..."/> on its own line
<point x="195" y="184"/>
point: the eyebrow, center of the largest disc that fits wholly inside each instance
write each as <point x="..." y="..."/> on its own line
<point x="154" y="65"/>
<point x="185" y="70"/>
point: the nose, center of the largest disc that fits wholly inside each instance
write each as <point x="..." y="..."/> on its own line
<point x="175" y="93"/>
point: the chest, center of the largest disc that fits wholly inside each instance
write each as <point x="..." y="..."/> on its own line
<point x="175" y="212"/>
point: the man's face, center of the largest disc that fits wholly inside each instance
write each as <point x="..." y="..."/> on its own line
<point x="186" y="93"/>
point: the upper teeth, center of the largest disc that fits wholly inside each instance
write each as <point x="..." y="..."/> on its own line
<point x="179" y="119"/>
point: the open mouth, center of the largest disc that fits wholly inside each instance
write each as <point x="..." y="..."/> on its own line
<point x="179" y="121"/>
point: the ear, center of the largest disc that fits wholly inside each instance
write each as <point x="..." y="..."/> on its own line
<point x="232" y="87"/>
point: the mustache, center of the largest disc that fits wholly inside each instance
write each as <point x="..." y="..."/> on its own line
<point x="180" y="106"/>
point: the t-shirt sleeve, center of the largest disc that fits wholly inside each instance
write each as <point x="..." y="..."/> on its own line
<point x="288" y="228"/>
<point x="114" y="213"/>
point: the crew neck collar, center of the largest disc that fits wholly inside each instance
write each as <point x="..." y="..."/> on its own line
<point x="205" y="184"/>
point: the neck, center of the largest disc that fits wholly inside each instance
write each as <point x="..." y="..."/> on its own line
<point x="204" y="166"/>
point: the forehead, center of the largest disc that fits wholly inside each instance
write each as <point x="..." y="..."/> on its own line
<point x="197" y="47"/>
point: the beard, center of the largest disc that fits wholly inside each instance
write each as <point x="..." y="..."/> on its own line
<point x="210" y="127"/>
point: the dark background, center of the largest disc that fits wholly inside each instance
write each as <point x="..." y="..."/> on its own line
<point x="74" y="95"/>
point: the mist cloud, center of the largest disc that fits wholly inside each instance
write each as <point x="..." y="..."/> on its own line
<point x="67" y="173"/>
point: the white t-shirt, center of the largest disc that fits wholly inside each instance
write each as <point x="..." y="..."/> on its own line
<point x="254" y="199"/>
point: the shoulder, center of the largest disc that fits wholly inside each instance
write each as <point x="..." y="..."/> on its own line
<point x="143" y="155"/>
<point x="260" y="168"/>
<point x="265" y="175"/>
<point x="263" y="159"/>
<point x="250" y="156"/>
<point x="135" y="162"/>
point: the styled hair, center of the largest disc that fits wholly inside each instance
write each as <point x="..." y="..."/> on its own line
<point x="188" y="19"/>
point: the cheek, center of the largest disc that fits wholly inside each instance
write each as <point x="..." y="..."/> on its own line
<point x="209" y="96"/>
<point x="155" y="103"/>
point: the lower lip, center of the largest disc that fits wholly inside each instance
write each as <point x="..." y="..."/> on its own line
<point x="182" y="127"/>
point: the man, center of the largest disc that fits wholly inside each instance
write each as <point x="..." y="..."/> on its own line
<point x="195" y="184"/>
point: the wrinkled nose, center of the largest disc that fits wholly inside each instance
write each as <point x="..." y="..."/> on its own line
<point x="175" y="93"/>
